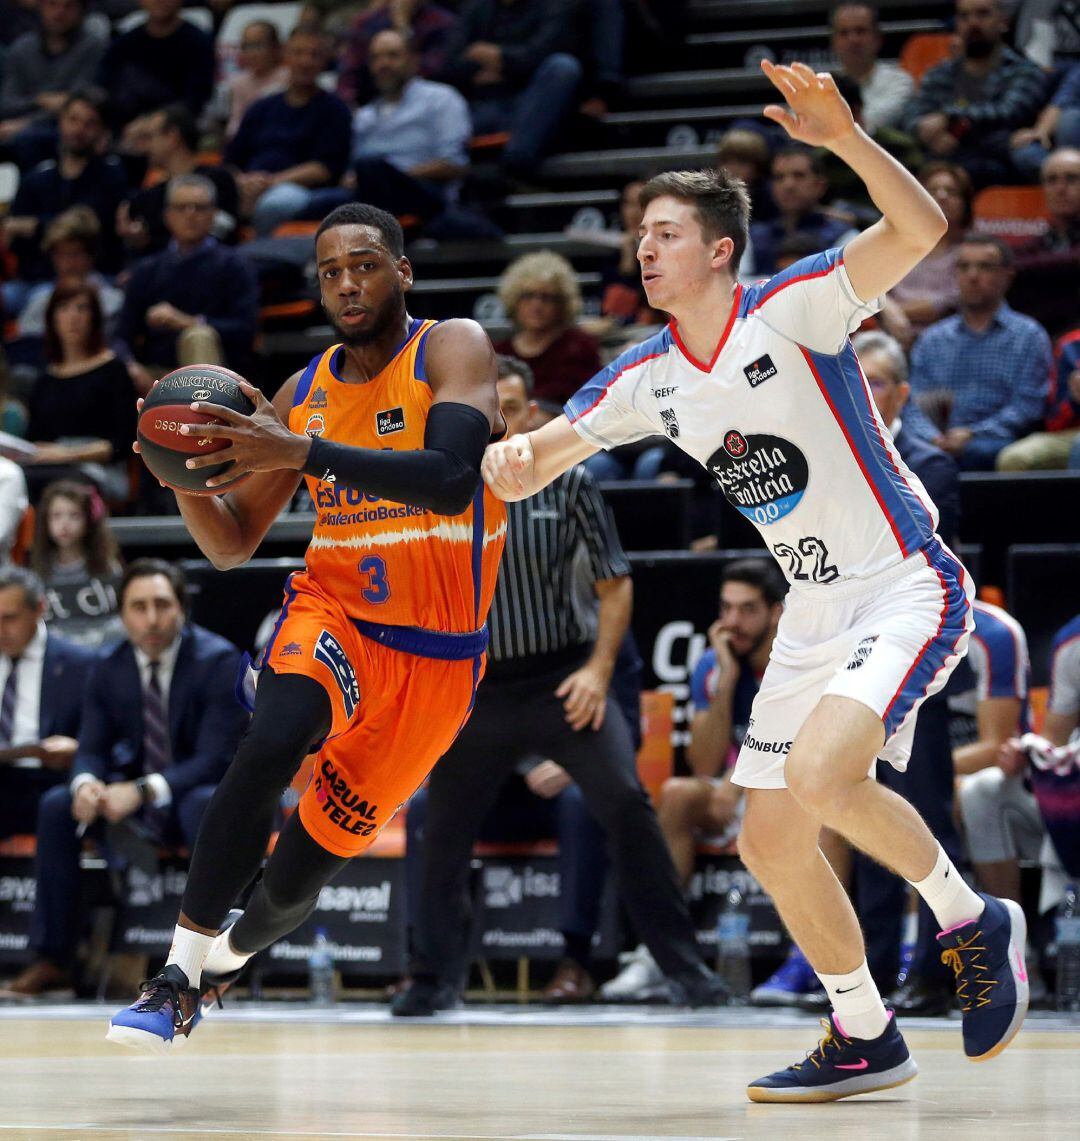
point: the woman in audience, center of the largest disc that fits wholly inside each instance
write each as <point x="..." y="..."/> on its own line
<point x="76" y="557"/>
<point x="82" y="407"/>
<point x="930" y="291"/>
<point x="542" y="298"/>
<point x="71" y="241"/>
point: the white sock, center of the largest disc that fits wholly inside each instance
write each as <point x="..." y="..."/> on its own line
<point x="222" y="958"/>
<point x="860" y="1013"/>
<point x="189" y="949"/>
<point x="947" y="894"/>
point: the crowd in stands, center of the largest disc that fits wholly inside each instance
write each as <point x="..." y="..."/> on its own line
<point x="154" y="161"/>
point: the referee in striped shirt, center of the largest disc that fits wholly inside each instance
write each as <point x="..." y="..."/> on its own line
<point x="546" y="693"/>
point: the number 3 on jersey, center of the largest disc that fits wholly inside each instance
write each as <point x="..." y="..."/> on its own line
<point x="377" y="589"/>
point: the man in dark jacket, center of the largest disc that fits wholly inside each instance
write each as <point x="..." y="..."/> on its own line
<point x="160" y="722"/>
<point x="167" y="59"/>
<point x="196" y="302"/>
<point x="511" y="59"/>
<point x="41" y="680"/>
<point x="967" y="108"/>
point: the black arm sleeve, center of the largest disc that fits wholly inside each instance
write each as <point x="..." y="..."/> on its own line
<point x="442" y="477"/>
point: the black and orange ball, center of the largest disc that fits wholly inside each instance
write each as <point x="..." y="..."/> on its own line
<point x="167" y="408"/>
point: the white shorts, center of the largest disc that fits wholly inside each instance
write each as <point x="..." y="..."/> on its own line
<point x="889" y="641"/>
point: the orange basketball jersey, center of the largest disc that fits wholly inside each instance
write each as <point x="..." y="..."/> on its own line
<point x="382" y="561"/>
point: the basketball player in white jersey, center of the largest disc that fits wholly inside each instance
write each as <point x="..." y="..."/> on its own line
<point x="762" y="386"/>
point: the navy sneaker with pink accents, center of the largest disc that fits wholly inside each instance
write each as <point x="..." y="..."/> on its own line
<point x="987" y="957"/>
<point x="841" y="1067"/>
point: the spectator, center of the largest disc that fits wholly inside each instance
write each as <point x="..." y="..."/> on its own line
<point x="160" y="722"/>
<point x="745" y="154"/>
<point x="884" y="87"/>
<point x="886" y="370"/>
<point x="45" y="677"/>
<point x="196" y="301"/>
<point x="1001" y="818"/>
<point x="542" y="298"/>
<point x="512" y="61"/>
<point x="927" y="782"/>
<point x="980" y="377"/>
<point x="966" y="108"/>
<point x="930" y="291"/>
<point x="427" y="27"/>
<point x="13" y="504"/>
<point x="41" y="69"/>
<point x="82" y="410"/>
<point x="171" y="139"/>
<point x="1059" y="446"/>
<point x="260" y="73"/>
<point x="798" y="184"/>
<point x="78" y="561"/>
<point x="165" y="60"/>
<point x="82" y="175"/>
<point x="409" y="148"/>
<point x="1058" y="125"/>
<point x="722" y="689"/>
<point x="1048" y="267"/>
<point x="290" y="143"/>
<point x="548" y="686"/>
<point x="71" y="242"/>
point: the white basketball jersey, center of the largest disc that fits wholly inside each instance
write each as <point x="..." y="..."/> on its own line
<point x="784" y="419"/>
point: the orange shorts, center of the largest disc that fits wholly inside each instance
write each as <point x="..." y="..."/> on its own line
<point x="395" y="710"/>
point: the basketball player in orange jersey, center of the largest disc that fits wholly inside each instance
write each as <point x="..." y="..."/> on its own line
<point x="380" y="644"/>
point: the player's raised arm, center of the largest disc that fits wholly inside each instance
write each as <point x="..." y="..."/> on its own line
<point x="229" y="528"/>
<point x="519" y="467"/>
<point x="911" y="224"/>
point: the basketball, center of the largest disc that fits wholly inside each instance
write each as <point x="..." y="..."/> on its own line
<point x="167" y="408"/>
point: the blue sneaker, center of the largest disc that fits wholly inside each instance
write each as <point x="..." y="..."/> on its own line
<point x="167" y="1007"/>
<point x="987" y="957"/>
<point x="841" y="1067"/>
<point x="792" y="982"/>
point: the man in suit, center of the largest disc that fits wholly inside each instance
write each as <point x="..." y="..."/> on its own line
<point x="880" y="896"/>
<point x="160" y="722"/>
<point x="41" y="683"/>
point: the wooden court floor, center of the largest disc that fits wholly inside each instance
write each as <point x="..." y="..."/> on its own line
<point x="261" y="1073"/>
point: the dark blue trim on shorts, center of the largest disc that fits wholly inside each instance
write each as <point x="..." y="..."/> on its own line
<point x="952" y="625"/>
<point x="290" y="594"/>
<point x="437" y="644"/>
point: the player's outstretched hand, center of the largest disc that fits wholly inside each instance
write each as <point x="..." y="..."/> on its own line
<point x="507" y="468"/>
<point x="816" y="113"/>
<point x="258" y="441"/>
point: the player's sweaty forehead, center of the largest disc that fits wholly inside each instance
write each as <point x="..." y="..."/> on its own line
<point x="681" y="217"/>
<point x="350" y="241"/>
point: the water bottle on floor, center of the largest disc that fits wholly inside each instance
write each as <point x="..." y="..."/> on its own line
<point x="321" y="971"/>
<point x="1067" y="994"/>
<point x="733" y="946"/>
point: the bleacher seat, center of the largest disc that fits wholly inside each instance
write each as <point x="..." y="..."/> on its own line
<point x="925" y="50"/>
<point x="1015" y="213"/>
